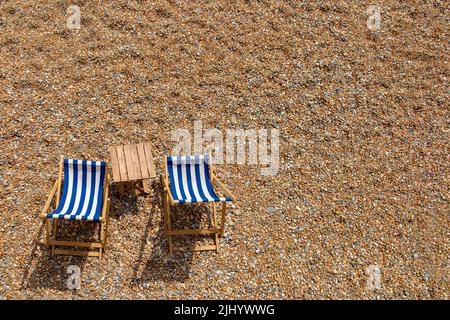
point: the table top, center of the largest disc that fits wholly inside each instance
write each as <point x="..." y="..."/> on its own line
<point x="132" y="162"/>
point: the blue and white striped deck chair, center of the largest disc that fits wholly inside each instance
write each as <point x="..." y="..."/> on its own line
<point x="85" y="197"/>
<point x="188" y="180"/>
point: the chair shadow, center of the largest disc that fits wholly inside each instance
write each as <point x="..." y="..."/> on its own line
<point x="161" y="265"/>
<point x="51" y="271"/>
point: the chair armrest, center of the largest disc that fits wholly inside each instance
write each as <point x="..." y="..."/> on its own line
<point x="44" y="212"/>
<point x="106" y="198"/>
<point x="166" y="188"/>
<point x="221" y="186"/>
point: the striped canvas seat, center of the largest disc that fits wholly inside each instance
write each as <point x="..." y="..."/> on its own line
<point x="83" y="191"/>
<point x="190" y="181"/>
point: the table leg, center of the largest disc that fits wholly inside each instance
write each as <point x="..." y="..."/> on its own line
<point x="145" y="183"/>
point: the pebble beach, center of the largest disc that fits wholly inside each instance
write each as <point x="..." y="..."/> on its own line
<point x="358" y="207"/>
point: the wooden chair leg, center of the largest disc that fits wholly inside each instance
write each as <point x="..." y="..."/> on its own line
<point x="104" y="228"/>
<point x="105" y="239"/>
<point x="102" y="232"/>
<point x="168" y="222"/>
<point x="55" y="222"/>
<point x="166" y="218"/>
<point x="47" y="231"/>
<point x="224" y="209"/>
<point x="216" y="237"/>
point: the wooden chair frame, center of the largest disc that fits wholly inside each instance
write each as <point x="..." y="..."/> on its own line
<point x="216" y="231"/>
<point x="95" y="249"/>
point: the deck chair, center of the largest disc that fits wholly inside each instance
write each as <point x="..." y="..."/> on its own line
<point x="85" y="197"/>
<point x="191" y="181"/>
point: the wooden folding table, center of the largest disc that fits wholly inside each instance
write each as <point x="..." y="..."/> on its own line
<point x="131" y="164"/>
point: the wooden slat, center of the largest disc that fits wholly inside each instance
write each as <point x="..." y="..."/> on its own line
<point x="77" y="253"/>
<point x="166" y="186"/>
<point x="122" y="165"/>
<point x="49" y="201"/>
<point x="75" y="244"/>
<point x="129" y="161"/>
<point x="224" y="189"/>
<point x="149" y="157"/>
<point x="222" y="223"/>
<point x="60" y="176"/>
<point x="106" y="199"/>
<point x="196" y="248"/>
<point x="115" y="164"/>
<point x="192" y="232"/>
<point x="135" y="162"/>
<point x="143" y="161"/>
